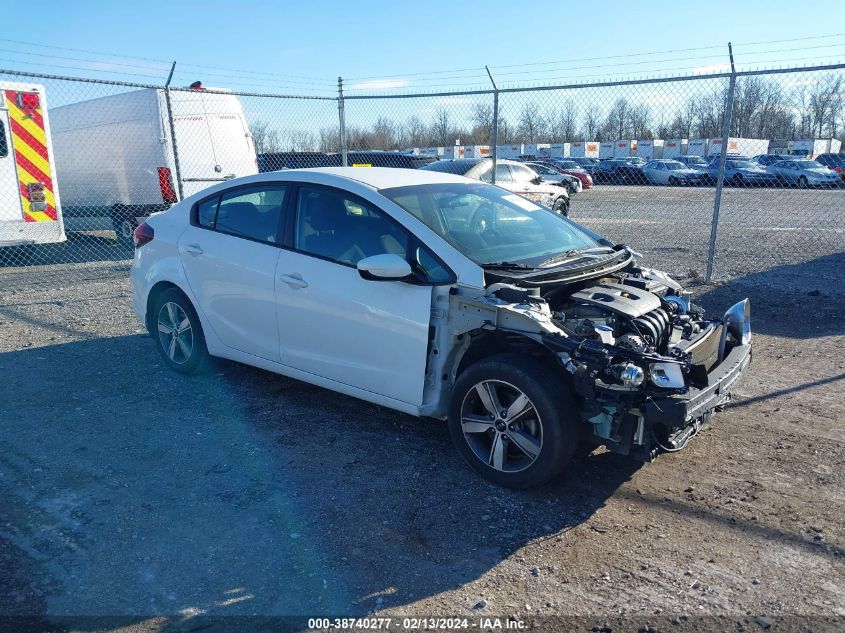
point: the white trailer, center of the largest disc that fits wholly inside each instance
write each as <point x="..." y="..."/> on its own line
<point x="810" y="148"/>
<point x="454" y="151"/>
<point x="559" y="150"/>
<point x="697" y="147"/>
<point x="624" y="148"/>
<point x="530" y="149"/>
<point x="675" y="147"/>
<point x="650" y="149"/>
<point x="115" y="155"/>
<point x="742" y="146"/>
<point x="30" y="210"/>
<point x="584" y="149"/>
<point x="509" y="151"/>
<point x="607" y="149"/>
<point x="477" y="151"/>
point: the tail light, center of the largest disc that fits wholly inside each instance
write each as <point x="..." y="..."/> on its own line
<point x="143" y="234"/>
<point x="29" y="100"/>
<point x="165" y="183"/>
<point x="37" y="196"/>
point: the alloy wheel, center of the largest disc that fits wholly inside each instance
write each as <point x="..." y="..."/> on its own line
<point x="175" y="333"/>
<point x="502" y="426"/>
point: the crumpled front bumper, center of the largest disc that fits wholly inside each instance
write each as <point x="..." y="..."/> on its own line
<point x="679" y="411"/>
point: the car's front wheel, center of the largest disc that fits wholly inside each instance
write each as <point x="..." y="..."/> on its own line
<point x="178" y="333"/>
<point x="513" y="420"/>
<point x="561" y="205"/>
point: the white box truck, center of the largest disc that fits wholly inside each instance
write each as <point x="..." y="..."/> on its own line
<point x="810" y="148"/>
<point x="624" y="148"/>
<point x="742" y="146"/>
<point x="30" y="210"/>
<point x="675" y="147"/>
<point x="697" y="147"/>
<point x="649" y="149"/>
<point x="607" y="149"/>
<point x="115" y="155"/>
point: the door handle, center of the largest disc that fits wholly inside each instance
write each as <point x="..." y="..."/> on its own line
<point x="193" y="249"/>
<point x="294" y="281"/>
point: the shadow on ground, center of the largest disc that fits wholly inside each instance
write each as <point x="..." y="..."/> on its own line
<point x="137" y="491"/>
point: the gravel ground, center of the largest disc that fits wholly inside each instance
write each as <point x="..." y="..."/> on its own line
<point x="127" y="490"/>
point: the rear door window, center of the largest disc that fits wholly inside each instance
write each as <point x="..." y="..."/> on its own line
<point x="254" y="213"/>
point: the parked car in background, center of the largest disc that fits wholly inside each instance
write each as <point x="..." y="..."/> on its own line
<point x="671" y="172"/>
<point x="273" y="161"/>
<point x="379" y="159"/>
<point x="693" y="162"/>
<point x="443" y="297"/>
<point x="589" y="164"/>
<point x="510" y="175"/>
<point x="572" y="168"/>
<point x="741" y="173"/>
<point x="620" y="171"/>
<point x="804" y="174"/>
<point x="836" y="162"/>
<point x="553" y="174"/>
<point x="770" y="159"/>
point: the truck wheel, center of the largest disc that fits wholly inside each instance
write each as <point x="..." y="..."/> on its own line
<point x="178" y="333"/>
<point x="561" y="205"/>
<point x="124" y="223"/>
<point x="513" y="420"/>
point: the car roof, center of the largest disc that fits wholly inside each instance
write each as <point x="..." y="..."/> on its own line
<point x="383" y="177"/>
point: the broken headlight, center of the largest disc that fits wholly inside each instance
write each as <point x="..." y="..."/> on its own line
<point x="738" y="321"/>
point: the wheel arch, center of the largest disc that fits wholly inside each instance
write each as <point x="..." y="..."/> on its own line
<point x="153" y="295"/>
<point x="487" y="344"/>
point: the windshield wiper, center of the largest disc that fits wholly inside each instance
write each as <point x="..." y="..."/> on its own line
<point x="561" y="257"/>
<point x="506" y="266"/>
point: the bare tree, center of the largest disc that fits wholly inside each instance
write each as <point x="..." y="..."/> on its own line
<point x="441" y="130"/>
<point x="532" y="124"/>
<point x="591" y="124"/>
<point x="264" y="139"/>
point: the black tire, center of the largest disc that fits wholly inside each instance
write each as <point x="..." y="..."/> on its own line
<point x="124" y="223"/>
<point x="673" y="182"/>
<point x="803" y="183"/>
<point x="198" y="360"/>
<point x="738" y="181"/>
<point x="556" y="417"/>
<point x="561" y="205"/>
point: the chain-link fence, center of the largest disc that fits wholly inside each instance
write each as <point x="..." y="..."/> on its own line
<point x="716" y="176"/>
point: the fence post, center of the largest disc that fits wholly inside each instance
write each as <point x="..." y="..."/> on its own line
<point x="176" y="167"/>
<point x="720" y="181"/>
<point x="495" y="131"/>
<point x="342" y="116"/>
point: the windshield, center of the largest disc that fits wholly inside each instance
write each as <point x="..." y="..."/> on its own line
<point x="568" y="164"/>
<point x="743" y="164"/>
<point x="808" y="164"/>
<point x="489" y="224"/>
<point x="674" y="165"/>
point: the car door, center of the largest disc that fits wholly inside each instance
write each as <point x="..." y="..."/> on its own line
<point x="229" y="253"/>
<point x="367" y="334"/>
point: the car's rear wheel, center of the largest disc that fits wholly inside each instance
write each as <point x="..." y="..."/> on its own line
<point x="513" y="420"/>
<point x="561" y="205"/>
<point x="673" y="182"/>
<point x="803" y="183"/>
<point x="178" y="333"/>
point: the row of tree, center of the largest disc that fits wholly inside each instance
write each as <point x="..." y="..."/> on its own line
<point x="762" y="108"/>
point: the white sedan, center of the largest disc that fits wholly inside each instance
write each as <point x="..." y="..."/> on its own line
<point x="441" y="296"/>
<point x="670" y="172"/>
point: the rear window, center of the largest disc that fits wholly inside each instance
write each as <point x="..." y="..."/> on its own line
<point x="457" y="167"/>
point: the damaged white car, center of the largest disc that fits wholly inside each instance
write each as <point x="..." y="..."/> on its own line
<point x="440" y="296"/>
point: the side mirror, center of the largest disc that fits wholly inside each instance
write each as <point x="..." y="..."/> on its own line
<point x="536" y="180"/>
<point x="386" y="267"/>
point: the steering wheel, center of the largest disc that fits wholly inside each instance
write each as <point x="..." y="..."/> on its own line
<point x="481" y="223"/>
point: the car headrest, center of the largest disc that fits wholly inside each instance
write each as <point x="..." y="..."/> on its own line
<point x="326" y="212"/>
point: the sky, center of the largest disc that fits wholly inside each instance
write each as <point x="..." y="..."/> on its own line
<point x="302" y="47"/>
